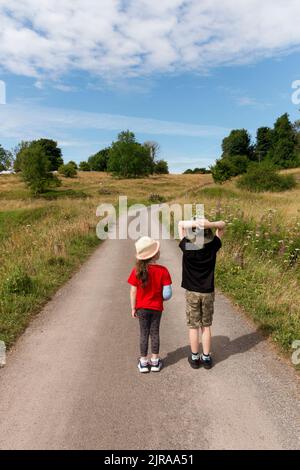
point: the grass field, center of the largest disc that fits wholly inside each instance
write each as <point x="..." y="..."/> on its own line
<point x="43" y="240"/>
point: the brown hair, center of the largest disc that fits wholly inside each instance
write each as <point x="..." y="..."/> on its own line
<point x="142" y="270"/>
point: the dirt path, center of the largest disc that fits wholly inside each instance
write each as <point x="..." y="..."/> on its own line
<point x="71" y="381"/>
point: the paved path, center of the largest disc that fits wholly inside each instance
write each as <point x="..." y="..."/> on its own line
<point x="71" y="381"/>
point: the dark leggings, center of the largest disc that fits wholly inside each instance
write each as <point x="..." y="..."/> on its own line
<point x="149" y="326"/>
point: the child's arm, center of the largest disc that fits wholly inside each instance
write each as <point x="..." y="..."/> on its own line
<point x="167" y="292"/>
<point x="133" y="301"/>
<point x="200" y="223"/>
<point x="220" y="232"/>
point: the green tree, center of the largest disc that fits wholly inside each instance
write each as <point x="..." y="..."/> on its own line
<point x="53" y="152"/>
<point x="226" y="168"/>
<point x="222" y="170"/>
<point x="19" y="154"/>
<point x="161" y="167"/>
<point x="68" y="170"/>
<point x="71" y="162"/>
<point x="284" y="149"/>
<point x="264" y="141"/>
<point x="84" y="166"/>
<point x="6" y="159"/>
<point x="99" y="161"/>
<point x="36" y="168"/>
<point x="128" y="158"/>
<point x="237" y="143"/>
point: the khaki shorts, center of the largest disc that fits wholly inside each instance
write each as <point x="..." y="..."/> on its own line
<point x="199" y="308"/>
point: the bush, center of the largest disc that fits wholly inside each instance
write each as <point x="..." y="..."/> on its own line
<point x="156" y="198"/>
<point x="161" y="167"/>
<point x="99" y="161"/>
<point x="227" y="167"/>
<point x="18" y="282"/>
<point x="222" y="170"/>
<point x="68" y="170"/>
<point x="84" y="166"/>
<point x="264" y="177"/>
<point x="71" y="162"/>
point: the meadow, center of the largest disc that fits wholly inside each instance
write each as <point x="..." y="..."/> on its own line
<point x="45" y="239"/>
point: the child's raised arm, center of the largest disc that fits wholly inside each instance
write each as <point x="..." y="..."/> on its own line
<point x="198" y="223"/>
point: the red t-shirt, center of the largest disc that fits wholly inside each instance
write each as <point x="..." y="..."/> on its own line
<point x="150" y="296"/>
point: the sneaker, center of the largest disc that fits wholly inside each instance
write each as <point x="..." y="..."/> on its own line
<point x="194" y="363"/>
<point x="143" y="368"/>
<point x="207" y="363"/>
<point x="156" y="367"/>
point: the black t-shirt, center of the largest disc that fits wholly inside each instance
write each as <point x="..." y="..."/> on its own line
<point x="198" y="265"/>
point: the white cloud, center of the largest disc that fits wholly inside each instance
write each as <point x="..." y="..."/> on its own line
<point x="117" y="38"/>
<point x="22" y="122"/>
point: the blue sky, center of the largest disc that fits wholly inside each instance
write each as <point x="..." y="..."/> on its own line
<point x="182" y="73"/>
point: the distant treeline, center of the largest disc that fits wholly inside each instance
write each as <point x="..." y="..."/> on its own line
<point x="38" y="160"/>
<point x="277" y="147"/>
<point x="196" y="171"/>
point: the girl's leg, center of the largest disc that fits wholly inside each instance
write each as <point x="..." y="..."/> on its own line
<point x="154" y="333"/>
<point x="144" y="332"/>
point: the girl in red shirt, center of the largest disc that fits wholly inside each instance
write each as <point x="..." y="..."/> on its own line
<point x="151" y="284"/>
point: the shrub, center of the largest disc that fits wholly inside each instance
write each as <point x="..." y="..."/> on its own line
<point x="156" y="198"/>
<point x="68" y="170"/>
<point x="222" y="170"/>
<point x="227" y="167"/>
<point x="98" y="162"/>
<point x="161" y="167"/>
<point x="84" y="166"/>
<point x="264" y="177"/>
<point x="71" y="162"/>
<point x="18" y="282"/>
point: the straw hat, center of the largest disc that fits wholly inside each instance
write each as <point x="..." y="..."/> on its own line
<point x="146" y="248"/>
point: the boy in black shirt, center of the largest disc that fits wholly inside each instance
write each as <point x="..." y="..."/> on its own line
<point x="198" y="267"/>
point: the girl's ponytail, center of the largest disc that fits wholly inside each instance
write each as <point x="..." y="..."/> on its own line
<point x="142" y="270"/>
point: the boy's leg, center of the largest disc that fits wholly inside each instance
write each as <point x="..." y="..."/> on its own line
<point x="207" y="317"/>
<point x="155" y="318"/>
<point x="206" y="339"/>
<point x="194" y="340"/>
<point x="193" y="317"/>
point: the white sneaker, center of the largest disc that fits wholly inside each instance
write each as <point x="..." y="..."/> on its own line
<point x="143" y="368"/>
<point x="156" y="367"/>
